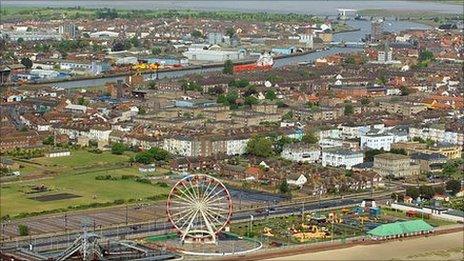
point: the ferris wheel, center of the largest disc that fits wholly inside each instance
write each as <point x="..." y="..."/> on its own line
<point x="199" y="207"/>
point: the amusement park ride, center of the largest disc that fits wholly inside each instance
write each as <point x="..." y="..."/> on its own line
<point x="199" y="207"/>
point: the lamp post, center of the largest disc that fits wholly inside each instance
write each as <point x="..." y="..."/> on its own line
<point x="251" y="225"/>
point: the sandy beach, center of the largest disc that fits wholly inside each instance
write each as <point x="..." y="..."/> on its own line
<point x="440" y="247"/>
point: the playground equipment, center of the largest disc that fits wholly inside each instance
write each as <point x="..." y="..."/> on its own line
<point x="334" y="218"/>
<point x="314" y="233"/>
<point x="267" y="232"/>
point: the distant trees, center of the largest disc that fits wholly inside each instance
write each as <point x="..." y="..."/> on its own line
<point x="260" y="146"/>
<point x="106" y="13"/>
<point x="26" y="62"/>
<point x="228" y="67"/>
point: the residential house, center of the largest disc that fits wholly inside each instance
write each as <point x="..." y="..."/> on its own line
<point x="341" y="157"/>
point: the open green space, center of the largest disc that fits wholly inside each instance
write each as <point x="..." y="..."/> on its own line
<point x="83" y="159"/>
<point x="80" y="174"/>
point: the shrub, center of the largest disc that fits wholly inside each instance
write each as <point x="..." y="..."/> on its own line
<point x="23" y="230"/>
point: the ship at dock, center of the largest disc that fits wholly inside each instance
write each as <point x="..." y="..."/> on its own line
<point x="264" y="62"/>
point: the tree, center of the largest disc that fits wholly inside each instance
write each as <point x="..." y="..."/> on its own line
<point x="159" y="153"/>
<point x="271" y="95"/>
<point x="426" y="191"/>
<point x="222" y="99"/>
<point x="156" y="51"/>
<point x="26" y="62"/>
<point x="152" y="84"/>
<point x="134" y="41"/>
<point x="23" y="230"/>
<point x="310" y="138"/>
<point x="405" y="91"/>
<point x="454" y="186"/>
<point x="413" y="192"/>
<point x="369" y="154"/>
<point x="118" y="148"/>
<point x="196" y="34"/>
<point x="260" y="146"/>
<point x="50" y="140"/>
<point x="279" y="143"/>
<point x="20" y="40"/>
<point x="382" y="80"/>
<point x="143" y="157"/>
<point x="228" y="67"/>
<point x="425" y="56"/>
<point x="398" y="151"/>
<point x="119" y="46"/>
<point x="283" y="187"/>
<point x="230" y="32"/>
<point x="349" y="109"/>
<point x="232" y="96"/>
<point x="365" y="101"/>
<point x="452" y="168"/>
<point x="250" y="100"/>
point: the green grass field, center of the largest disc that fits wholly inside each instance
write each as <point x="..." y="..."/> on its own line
<point x="76" y="175"/>
<point x="82" y="158"/>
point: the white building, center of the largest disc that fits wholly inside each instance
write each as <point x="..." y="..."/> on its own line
<point x="213" y="54"/>
<point x="97" y="134"/>
<point x="300" y="181"/>
<point x="55" y="154"/>
<point x="307" y="39"/>
<point x="94" y="67"/>
<point x="104" y="34"/>
<point x="179" y="146"/>
<point x="301" y="152"/>
<point x="355" y="131"/>
<point x="437" y="134"/>
<point x="330" y="143"/>
<point x="377" y="139"/>
<point x="237" y="146"/>
<point x="341" y="157"/>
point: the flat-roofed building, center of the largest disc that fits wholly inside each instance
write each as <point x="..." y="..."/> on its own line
<point x="396" y="165"/>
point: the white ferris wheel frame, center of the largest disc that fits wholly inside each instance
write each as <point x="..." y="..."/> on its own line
<point x="199" y="213"/>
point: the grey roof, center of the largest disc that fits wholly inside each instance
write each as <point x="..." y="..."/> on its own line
<point x="425" y="156"/>
<point x="364" y="165"/>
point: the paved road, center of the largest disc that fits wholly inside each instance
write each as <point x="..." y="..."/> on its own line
<point x="141" y="230"/>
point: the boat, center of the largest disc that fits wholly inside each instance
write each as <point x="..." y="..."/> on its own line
<point x="264" y="62"/>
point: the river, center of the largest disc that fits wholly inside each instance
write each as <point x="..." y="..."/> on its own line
<point x="354" y="36"/>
